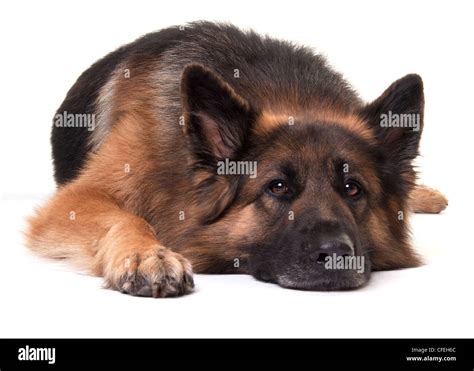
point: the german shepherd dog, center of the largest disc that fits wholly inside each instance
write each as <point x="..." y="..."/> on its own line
<point x="210" y="149"/>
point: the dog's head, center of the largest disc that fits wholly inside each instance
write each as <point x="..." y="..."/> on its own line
<point x="311" y="201"/>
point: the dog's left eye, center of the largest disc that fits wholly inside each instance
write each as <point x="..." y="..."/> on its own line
<point x="352" y="188"/>
<point x="279" y="187"/>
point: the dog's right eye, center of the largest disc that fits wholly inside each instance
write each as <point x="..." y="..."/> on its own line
<point x="279" y="188"/>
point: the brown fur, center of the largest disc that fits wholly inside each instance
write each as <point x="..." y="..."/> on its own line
<point x="146" y="207"/>
<point x="109" y="193"/>
<point x="105" y="200"/>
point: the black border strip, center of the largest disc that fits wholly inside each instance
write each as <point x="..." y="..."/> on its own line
<point x="379" y="352"/>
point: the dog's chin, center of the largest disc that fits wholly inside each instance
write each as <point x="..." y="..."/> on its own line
<point x="315" y="281"/>
<point x="345" y="281"/>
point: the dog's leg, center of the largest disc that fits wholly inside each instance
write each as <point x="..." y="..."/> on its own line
<point x="87" y="226"/>
<point x="424" y="199"/>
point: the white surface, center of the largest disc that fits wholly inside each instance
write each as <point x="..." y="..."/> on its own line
<point x="46" y="45"/>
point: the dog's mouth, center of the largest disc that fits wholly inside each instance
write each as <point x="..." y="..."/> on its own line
<point x="321" y="262"/>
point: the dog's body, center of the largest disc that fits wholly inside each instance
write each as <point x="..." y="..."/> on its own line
<point x="141" y="203"/>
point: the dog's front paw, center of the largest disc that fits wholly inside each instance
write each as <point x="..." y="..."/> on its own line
<point x="157" y="272"/>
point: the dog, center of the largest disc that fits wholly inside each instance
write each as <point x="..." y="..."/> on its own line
<point x="210" y="149"/>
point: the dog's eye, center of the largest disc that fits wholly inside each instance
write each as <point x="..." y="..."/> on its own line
<point x="352" y="188"/>
<point x="279" y="188"/>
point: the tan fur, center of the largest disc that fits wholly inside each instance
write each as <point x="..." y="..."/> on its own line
<point x="93" y="221"/>
<point x="268" y="120"/>
<point x="108" y="218"/>
<point x="424" y="199"/>
<point x="110" y="237"/>
<point x="109" y="241"/>
<point x="385" y="256"/>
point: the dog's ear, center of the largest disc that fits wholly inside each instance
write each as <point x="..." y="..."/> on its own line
<point x="397" y="120"/>
<point x="217" y="120"/>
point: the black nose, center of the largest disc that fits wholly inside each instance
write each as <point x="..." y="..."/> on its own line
<point x="339" y="246"/>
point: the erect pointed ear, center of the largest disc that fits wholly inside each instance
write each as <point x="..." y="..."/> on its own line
<point x="397" y="120"/>
<point x="217" y="119"/>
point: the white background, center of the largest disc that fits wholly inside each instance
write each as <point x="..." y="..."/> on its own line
<point x="45" y="45"/>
